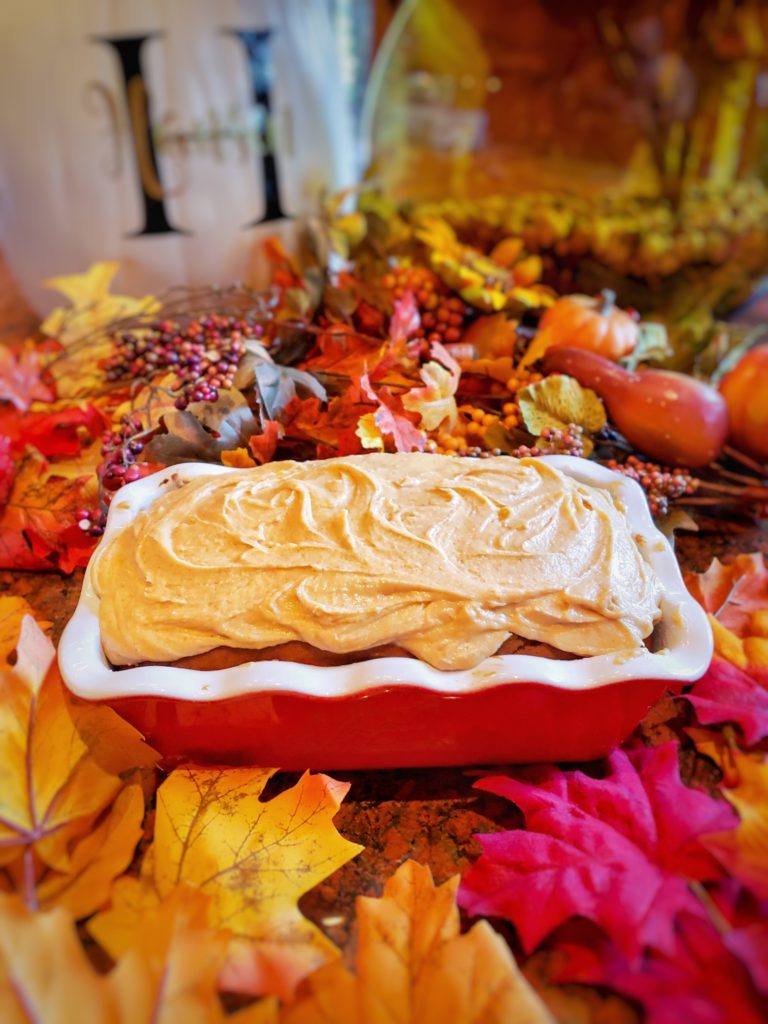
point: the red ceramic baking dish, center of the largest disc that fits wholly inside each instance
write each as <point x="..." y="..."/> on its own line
<point x="396" y="712"/>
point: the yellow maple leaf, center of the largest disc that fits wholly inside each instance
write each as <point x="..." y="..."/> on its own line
<point x="46" y="976"/>
<point x="91" y="305"/>
<point x="44" y="973"/>
<point x="743" y="850"/>
<point x="12" y="611"/>
<point x="237" y="458"/>
<point x="742" y="651"/>
<point x="414" y="967"/>
<point x="254" y="859"/>
<point x="79" y="328"/>
<point x="369" y="433"/>
<point x="69" y="822"/>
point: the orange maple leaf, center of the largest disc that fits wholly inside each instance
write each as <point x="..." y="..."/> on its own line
<point x="69" y="822"/>
<point x="742" y="850"/>
<point x="413" y="966"/>
<point x="12" y="611"/>
<point x="735" y="594"/>
<point x="46" y="976"/>
<point x="253" y="859"/>
<point x="344" y="351"/>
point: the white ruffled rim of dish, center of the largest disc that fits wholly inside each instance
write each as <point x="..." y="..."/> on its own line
<point x="683" y="636"/>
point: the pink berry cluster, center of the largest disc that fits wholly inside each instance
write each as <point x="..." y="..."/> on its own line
<point x="120" y="448"/>
<point x="555" y="442"/>
<point x="662" y="484"/>
<point x="202" y="354"/>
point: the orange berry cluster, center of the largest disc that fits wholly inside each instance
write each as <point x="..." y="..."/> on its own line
<point x="521" y="379"/>
<point x="469" y="432"/>
<point x="444" y="322"/>
<point x="442" y="314"/>
<point x="423" y="282"/>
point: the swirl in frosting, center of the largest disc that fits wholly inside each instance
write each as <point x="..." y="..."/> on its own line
<point x="445" y="557"/>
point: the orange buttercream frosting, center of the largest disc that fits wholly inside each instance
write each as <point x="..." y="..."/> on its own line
<point x="446" y="557"/>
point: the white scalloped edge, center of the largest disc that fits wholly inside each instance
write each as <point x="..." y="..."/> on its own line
<point x="683" y="633"/>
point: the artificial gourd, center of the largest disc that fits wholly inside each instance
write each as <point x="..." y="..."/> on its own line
<point x="745" y="390"/>
<point x="580" y="321"/>
<point x="669" y="416"/>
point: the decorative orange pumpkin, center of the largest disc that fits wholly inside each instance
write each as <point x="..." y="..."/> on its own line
<point x="579" y="321"/>
<point x="745" y="390"/>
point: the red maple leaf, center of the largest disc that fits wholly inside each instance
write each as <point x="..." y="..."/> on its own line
<point x="62" y="432"/>
<point x="20" y="381"/>
<point x="727" y="694"/>
<point x="618" y="850"/>
<point x="264" y="445"/>
<point x="7" y="469"/>
<point x="38" y="526"/>
<point x="700" y="982"/>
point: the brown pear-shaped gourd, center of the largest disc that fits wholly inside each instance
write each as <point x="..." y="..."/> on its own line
<point x="668" y="416"/>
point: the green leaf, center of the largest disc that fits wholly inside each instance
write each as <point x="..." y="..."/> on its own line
<point x="558" y="401"/>
<point x="204" y="430"/>
<point x="727" y="346"/>
<point x="652" y="345"/>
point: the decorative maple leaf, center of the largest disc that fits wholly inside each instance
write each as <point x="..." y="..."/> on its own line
<point x="741" y="850"/>
<point x="344" y="351"/>
<point x="46" y="976"/>
<point x="20" y="377"/>
<point x="413" y="966"/>
<point x="38" y="526"/>
<point x="237" y="458"/>
<point x="390" y="419"/>
<point x="435" y="402"/>
<point x="68" y="821"/>
<point x="700" y="982"/>
<point x="750" y="945"/>
<point x="59" y="432"/>
<point x="405" y="320"/>
<point x="332" y="428"/>
<point x="371" y="438"/>
<point x="7" y="469"/>
<point x="727" y="694"/>
<point x="254" y="859"/>
<point x="264" y="445"/>
<point x="732" y="591"/>
<point x="12" y="611"/>
<point x="618" y="850"/>
<point x="80" y="328"/>
<point x="494" y="338"/>
<point x="91" y="305"/>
